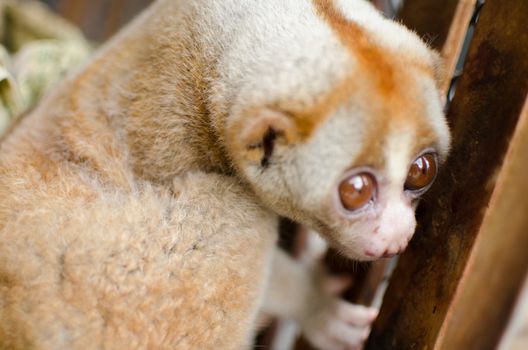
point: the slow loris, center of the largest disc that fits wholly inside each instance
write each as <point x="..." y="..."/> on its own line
<point x="139" y="201"/>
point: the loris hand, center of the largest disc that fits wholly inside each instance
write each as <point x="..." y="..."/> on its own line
<point x="330" y="323"/>
<point x="311" y="297"/>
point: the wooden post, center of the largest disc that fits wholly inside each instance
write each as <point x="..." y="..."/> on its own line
<point x="515" y="336"/>
<point x="456" y="37"/>
<point x="490" y="95"/>
<point x="498" y="263"/>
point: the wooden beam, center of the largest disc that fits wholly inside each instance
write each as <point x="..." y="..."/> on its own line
<point x="498" y="263"/>
<point x="456" y="37"/>
<point x="516" y="334"/>
<point x="490" y="95"/>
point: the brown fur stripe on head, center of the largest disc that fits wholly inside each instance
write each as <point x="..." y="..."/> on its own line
<point x="353" y="37"/>
<point x="389" y="85"/>
<point x="372" y="61"/>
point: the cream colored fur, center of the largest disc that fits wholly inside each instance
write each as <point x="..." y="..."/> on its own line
<point x="146" y="268"/>
<point x="139" y="201"/>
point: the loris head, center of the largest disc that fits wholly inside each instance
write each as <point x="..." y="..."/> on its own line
<point x="337" y="123"/>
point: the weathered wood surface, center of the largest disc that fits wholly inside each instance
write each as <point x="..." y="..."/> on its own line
<point x="456" y="37"/>
<point x="490" y="95"/>
<point x="516" y="335"/>
<point x="498" y="263"/>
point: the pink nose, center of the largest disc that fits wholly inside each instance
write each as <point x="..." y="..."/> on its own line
<point x="396" y="227"/>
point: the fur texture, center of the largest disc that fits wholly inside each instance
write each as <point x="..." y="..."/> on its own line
<point x="136" y="201"/>
<point x="90" y="269"/>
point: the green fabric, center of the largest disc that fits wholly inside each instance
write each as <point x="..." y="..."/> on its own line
<point x="37" y="49"/>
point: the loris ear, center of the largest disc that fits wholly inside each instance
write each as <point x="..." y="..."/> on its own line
<point x="262" y="134"/>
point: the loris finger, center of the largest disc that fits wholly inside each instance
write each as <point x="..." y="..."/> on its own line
<point x="356" y="315"/>
<point x="348" y="335"/>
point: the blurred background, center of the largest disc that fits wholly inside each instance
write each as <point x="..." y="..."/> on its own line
<point x="98" y="19"/>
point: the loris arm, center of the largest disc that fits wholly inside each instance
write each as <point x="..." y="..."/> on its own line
<point x="310" y="298"/>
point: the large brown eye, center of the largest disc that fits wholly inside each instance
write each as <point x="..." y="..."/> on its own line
<point x="422" y="172"/>
<point x="356" y="191"/>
